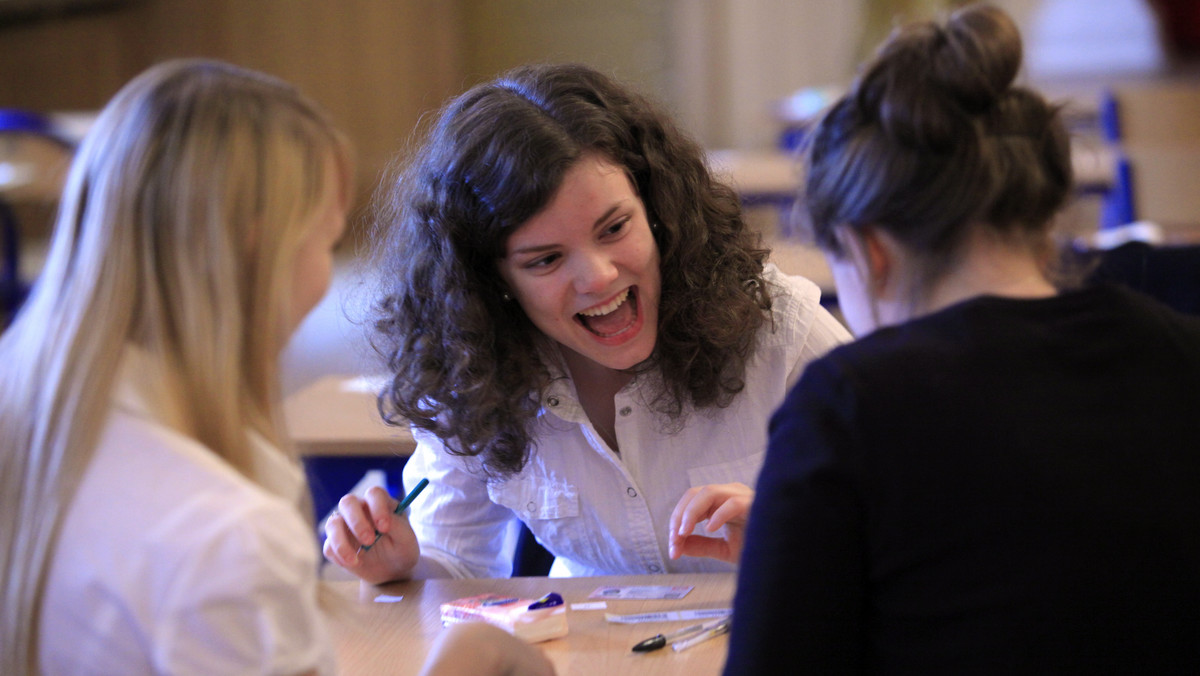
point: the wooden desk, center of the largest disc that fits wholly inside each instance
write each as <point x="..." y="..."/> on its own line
<point x="394" y="638"/>
<point x="337" y="415"/>
<point x="773" y="176"/>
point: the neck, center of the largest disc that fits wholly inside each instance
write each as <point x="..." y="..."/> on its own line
<point x="597" y="386"/>
<point x="986" y="266"/>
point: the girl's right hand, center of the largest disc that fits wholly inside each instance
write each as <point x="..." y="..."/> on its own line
<point x="392" y="557"/>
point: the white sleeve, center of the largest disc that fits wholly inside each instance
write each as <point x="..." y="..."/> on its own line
<point x="244" y="601"/>
<point x="455" y="520"/>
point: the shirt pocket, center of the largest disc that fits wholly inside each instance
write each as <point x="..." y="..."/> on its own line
<point x="743" y="470"/>
<point x="550" y="507"/>
<point x="531" y="499"/>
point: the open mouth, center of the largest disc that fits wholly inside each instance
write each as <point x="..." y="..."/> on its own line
<point x="612" y="318"/>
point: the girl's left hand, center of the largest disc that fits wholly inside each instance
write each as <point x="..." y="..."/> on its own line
<point x="722" y="505"/>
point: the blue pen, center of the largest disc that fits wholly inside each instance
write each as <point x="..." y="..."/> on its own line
<point x="402" y="506"/>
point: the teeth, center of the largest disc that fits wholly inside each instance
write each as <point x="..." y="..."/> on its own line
<point x="608" y="307"/>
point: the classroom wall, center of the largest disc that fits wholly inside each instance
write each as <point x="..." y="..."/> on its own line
<point x="375" y="65"/>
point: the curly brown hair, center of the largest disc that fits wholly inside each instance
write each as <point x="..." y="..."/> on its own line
<point x="468" y="366"/>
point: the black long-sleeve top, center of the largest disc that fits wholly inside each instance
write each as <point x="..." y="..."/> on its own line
<point x="1004" y="486"/>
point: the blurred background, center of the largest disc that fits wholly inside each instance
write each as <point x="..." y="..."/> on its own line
<point x="744" y="76"/>
<point x="724" y="66"/>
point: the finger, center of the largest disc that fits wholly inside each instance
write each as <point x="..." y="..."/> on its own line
<point x="699" y="509"/>
<point x="340" y="545"/>
<point x="734" y="509"/>
<point x="357" y="518"/>
<point x="700" y="546"/>
<point x="677" y="514"/>
<point x="380" y="506"/>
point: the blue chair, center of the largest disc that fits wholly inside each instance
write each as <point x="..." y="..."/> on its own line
<point x="1153" y="129"/>
<point x="1118" y="206"/>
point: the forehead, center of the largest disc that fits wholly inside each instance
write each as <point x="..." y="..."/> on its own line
<point x="594" y="183"/>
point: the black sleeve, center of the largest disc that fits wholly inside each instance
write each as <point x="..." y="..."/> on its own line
<point x="799" y="606"/>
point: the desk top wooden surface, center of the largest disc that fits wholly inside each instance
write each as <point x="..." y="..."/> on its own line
<point x="337" y="415"/>
<point x="394" y="638"/>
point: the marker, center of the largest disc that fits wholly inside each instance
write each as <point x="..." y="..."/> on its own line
<point x="660" y="640"/>
<point x="402" y="506"/>
<point x="722" y="628"/>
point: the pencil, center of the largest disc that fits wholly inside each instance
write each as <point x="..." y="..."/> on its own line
<point x="401" y="506"/>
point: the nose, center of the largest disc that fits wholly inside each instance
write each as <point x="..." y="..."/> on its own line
<point x="594" y="272"/>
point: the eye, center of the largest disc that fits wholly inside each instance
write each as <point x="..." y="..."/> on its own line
<point x="616" y="228"/>
<point x="542" y="262"/>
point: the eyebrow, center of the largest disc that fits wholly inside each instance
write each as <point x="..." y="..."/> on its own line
<point x="544" y="247"/>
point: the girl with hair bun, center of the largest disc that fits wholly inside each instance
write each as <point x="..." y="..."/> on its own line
<point x="999" y="475"/>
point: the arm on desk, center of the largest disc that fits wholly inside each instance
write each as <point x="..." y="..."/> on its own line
<point x="479" y="649"/>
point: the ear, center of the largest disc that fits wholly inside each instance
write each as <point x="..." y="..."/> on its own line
<point x="871" y="255"/>
<point x="880" y="260"/>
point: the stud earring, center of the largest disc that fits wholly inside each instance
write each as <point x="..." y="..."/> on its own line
<point x="506" y="295"/>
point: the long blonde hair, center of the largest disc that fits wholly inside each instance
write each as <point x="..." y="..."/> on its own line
<point x="177" y="230"/>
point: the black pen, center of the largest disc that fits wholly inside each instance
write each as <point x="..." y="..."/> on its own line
<point x="660" y="640"/>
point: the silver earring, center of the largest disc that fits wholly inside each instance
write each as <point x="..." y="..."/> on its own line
<point x="654" y="227"/>
<point x="506" y="296"/>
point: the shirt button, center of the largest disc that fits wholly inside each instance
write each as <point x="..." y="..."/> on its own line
<point x="531" y="506"/>
<point x="553" y="401"/>
<point x="632" y="493"/>
<point x="655" y="569"/>
<point x="625" y="410"/>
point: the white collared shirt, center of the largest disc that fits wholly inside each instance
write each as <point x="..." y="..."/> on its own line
<point x="170" y="561"/>
<point x="601" y="513"/>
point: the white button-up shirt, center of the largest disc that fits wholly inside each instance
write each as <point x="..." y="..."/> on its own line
<point x="170" y="561"/>
<point x="598" y="512"/>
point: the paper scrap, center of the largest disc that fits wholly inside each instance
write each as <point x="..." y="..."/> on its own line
<point x="641" y="592"/>
<point x="590" y="605"/>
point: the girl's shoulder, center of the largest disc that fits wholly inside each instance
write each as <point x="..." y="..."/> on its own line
<point x="795" y="308"/>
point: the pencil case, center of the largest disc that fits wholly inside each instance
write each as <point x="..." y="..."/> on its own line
<point x="532" y="620"/>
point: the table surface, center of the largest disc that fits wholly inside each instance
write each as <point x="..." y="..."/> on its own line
<point x="394" y="638"/>
<point x="337" y="415"/>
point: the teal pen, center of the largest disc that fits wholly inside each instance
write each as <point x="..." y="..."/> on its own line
<point x="402" y="506"/>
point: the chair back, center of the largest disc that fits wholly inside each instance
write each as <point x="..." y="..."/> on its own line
<point x="1155" y="129"/>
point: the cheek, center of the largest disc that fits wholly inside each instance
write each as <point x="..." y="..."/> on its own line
<point x="314" y="271"/>
<point x="542" y="300"/>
